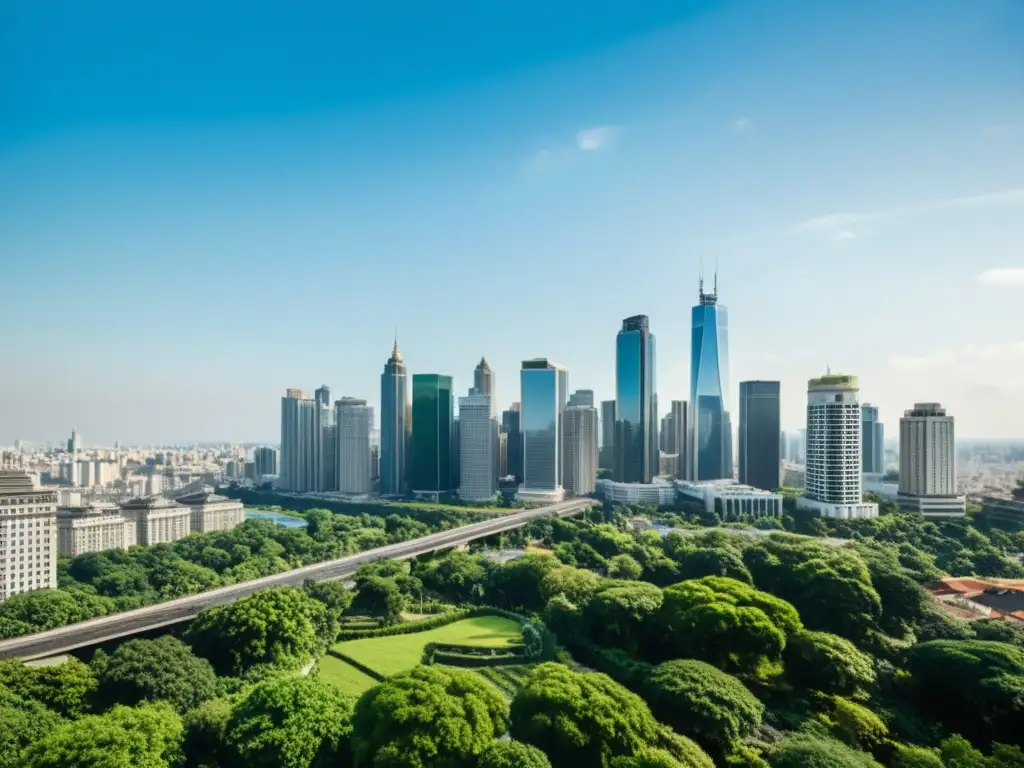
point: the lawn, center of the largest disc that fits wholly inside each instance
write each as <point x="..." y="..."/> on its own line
<point x="509" y="678"/>
<point x="398" y="653"/>
<point x="344" y="677"/>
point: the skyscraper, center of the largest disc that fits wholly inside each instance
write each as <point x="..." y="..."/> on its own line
<point x="928" y="463"/>
<point x="511" y="426"/>
<point x="579" y="449"/>
<point x="872" y="435"/>
<point x="265" y="460"/>
<point x="24" y="500"/>
<point x="583" y="397"/>
<point x="711" y="426"/>
<point x="394" y="425"/>
<point x="323" y="396"/>
<point x="354" y="422"/>
<point x="833" y="487"/>
<point x="300" y="443"/>
<point x="478" y="449"/>
<point x="328" y="445"/>
<point x="606" y="456"/>
<point x="431" y="447"/>
<point x="760" y="436"/>
<point x="636" y="403"/>
<point x="545" y="388"/>
<point x="483" y="382"/>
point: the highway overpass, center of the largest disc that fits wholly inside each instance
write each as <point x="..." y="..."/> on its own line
<point x="95" y="631"/>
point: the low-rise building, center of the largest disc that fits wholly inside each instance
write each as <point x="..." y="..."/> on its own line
<point x="211" y="512"/>
<point x="28" y="534"/>
<point x="657" y="493"/>
<point x="94" y="528"/>
<point x="157" y="520"/>
<point x="731" y="500"/>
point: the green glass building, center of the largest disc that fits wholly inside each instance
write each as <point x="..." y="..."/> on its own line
<point x="430" y="453"/>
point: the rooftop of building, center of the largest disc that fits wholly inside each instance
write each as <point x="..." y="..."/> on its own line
<point x="14" y="481"/>
<point x="724" y="487"/>
<point x="541" y="363"/>
<point x="152" y="502"/>
<point x="201" y="497"/>
<point x="834" y="381"/>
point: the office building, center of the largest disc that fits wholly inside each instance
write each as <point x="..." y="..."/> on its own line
<point x="711" y="425"/>
<point x="663" y="436"/>
<point x="833" y="483"/>
<point x="872" y="440"/>
<point x="928" y="463"/>
<point x="483" y="383"/>
<point x="731" y="501"/>
<point x="657" y="493"/>
<point x="73" y="443"/>
<point x="760" y="435"/>
<point x="636" y="403"/>
<point x="94" y="528"/>
<point x="395" y="424"/>
<point x="478" y="448"/>
<point x="676" y="432"/>
<point x="354" y="421"/>
<point x="433" y="427"/>
<point x="606" y="453"/>
<point x="502" y="454"/>
<point x="328" y="449"/>
<point x="545" y="389"/>
<point x="511" y="426"/>
<point x="322" y="395"/>
<point x="582" y="397"/>
<point x="28" y="534"/>
<point x="300" y="443"/>
<point x="579" y="449"/>
<point x="157" y="520"/>
<point x="265" y="460"/>
<point x="210" y="512"/>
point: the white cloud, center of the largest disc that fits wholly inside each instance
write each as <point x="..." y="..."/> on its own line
<point x="742" y="124"/>
<point x="1002" y="276"/>
<point x="844" y="234"/>
<point x="596" y="138"/>
<point x="997" y="352"/>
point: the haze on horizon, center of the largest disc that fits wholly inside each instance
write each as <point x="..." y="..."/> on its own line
<point x="202" y="206"/>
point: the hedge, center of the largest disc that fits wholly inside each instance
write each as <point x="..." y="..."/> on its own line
<point x="405" y="628"/>
<point x="471" y="655"/>
<point x="361" y="667"/>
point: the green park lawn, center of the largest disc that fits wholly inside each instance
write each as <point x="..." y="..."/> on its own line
<point x="398" y="653"/>
<point x="344" y="677"/>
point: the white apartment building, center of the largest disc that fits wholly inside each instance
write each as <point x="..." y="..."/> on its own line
<point x="833" y="483"/>
<point x="94" y="528"/>
<point x="353" y="423"/>
<point x="928" y="463"/>
<point x="579" y="449"/>
<point x="211" y="512"/>
<point x="478" y="446"/>
<point x="301" y="443"/>
<point x="28" y="534"/>
<point x="157" y="520"/>
<point x="731" y="500"/>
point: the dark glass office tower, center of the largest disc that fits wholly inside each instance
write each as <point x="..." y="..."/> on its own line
<point x="510" y="425"/>
<point x="430" y="455"/>
<point x="711" y="425"/>
<point x="872" y="440"/>
<point x="394" y="424"/>
<point x="606" y="456"/>
<point x="636" y="403"/>
<point x="760" y="432"/>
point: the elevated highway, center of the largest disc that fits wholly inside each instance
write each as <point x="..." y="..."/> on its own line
<point x="95" y="631"/>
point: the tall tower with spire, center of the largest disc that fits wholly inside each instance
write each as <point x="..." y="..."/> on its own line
<point x="395" y="422"/>
<point x="710" y="439"/>
<point x="483" y="382"/>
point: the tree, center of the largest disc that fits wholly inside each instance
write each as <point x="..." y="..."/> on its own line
<point x="576" y="584"/>
<point x="512" y="754"/>
<point x="65" y="688"/>
<point x="22" y="722"/>
<point x="291" y="722"/>
<point x="624" y="567"/>
<point x="619" y="611"/>
<point x="582" y="718"/>
<point x="164" y="669"/>
<point x="380" y="598"/>
<point x="518" y="584"/>
<point x="43" y="609"/>
<point x="704" y="703"/>
<point x="807" y="751"/>
<point x="697" y="562"/>
<point x="148" y="736"/>
<point x="457" y="576"/>
<point x="336" y="598"/>
<point x="205" y="729"/>
<point x="828" y="663"/>
<point x="857" y="725"/>
<point x="281" y="626"/>
<point x="430" y="716"/>
<point x="910" y="756"/>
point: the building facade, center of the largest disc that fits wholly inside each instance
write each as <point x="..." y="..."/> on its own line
<point x="928" y="463"/>
<point x="157" y="520"/>
<point x="395" y="425"/>
<point x="676" y="431"/>
<point x="354" y="420"/>
<point x="833" y="486"/>
<point x="659" y="493"/>
<point x="328" y="449"/>
<point x="210" y="512"/>
<point x="872" y="440"/>
<point x="545" y="389"/>
<point x="583" y="397"/>
<point x="511" y="427"/>
<point x="636" y="403"/>
<point x="760" y="434"/>
<point x="478" y="448"/>
<point x="732" y="501"/>
<point x="94" y="528"/>
<point x="433" y="428"/>
<point x="606" y="454"/>
<point x="322" y="395"/>
<point x="579" y="449"/>
<point x="483" y="383"/>
<point x="265" y="460"/>
<point x="28" y="534"/>
<point x="710" y="453"/>
<point x="300" y="443"/>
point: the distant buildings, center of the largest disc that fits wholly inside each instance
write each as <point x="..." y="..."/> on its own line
<point x="760" y="434"/>
<point x="711" y="425"/>
<point x="322" y="395"/>
<point x="657" y="493"/>
<point x="265" y="460"/>
<point x="478" y="448"/>
<point x="483" y="382"/>
<point x="511" y="427"/>
<point x="676" y="429"/>
<point x="636" y="403"/>
<point x="606" y="457"/>
<point x="431" y="448"/>
<point x="872" y="436"/>
<point x="579" y="449"/>
<point x="833" y="484"/>
<point x="300" y="443"/>
<point x="395" y="425"/>
<point x="94" y="528"/>
<point x="354" y="420"/>
<point x="158" y="520"/>
<point x="210" y="512"/>
<point x="582" y="397"/>
<point x="545" y="389"/>
<point x="28" y="534"/>
<point x="731" y="501"/>
<point x="928" y="463"/>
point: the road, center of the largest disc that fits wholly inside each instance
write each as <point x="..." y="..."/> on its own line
<point x="94" y="631"/>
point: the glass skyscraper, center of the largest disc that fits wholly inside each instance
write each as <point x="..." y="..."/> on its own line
<point x="510" y="425"/>
<point x="545" y="389"/>
<point x="394" y="424"/>
<point x="711" y="438"/>
<point x="431" y="452"/>
<point x="872" y="436"/>
<point x="636" y="403"/>
<point x="760" y="434"/>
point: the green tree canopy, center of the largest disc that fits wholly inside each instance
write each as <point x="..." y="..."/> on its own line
<point x="819" y="661"/>
<point x="22" y="722"/>
<point x="457" y="576"/>
<point x="291" y="722"/>
<point x="618" y="613"/>
<point x="697" y="562"/>
<point x="205" y="728"/>
<point x="624" y="567"/>
<point x="65" y="688"/>
<point x="910" y="756"/>
<point x="164" y="669"/>
<point x="430" y="716"/>
<point x="380" y="598"/>
<point x="576" y="584"/>
<point x="807" y="751"/>
<point x="42" y="609"/>
<point x="519" y="583"/>
<point x="336" y="598"/>
<point x="513" y="754"/>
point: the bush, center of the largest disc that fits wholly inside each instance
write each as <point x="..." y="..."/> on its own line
<point x="513" y="754"/>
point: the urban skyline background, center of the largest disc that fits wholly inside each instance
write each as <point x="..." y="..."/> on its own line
<point x="179" y="246"/>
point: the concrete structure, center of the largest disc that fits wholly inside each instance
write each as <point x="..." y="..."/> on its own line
<point x="354" y="420"/>
<point x="433" y="445"/>
<point x="545" y="389"/>
<point x="928" y="463"/>
<point x="636" y="403"/>
<point x="157" y="520"/>
<point x="301" y="436"/>
<point x="579" y="449"/>
<point x="28" y="534"/>
<point x="658" y="493"/>
<point x="478" y="448"/>
<point x="483" y="383"/>
<point x="606" y="455"/>
<point x="872" y="440"/>
<point x="760" y="434"/>
<point x="731" y="500"/>
<point x="94" y="528"/>
<point x="669" y="464"/>
<point x="583" y="397"/>
<point x="710" y="453"/>
<point x="833" y="487"/>
<point x="210" y="512"/>
<point x="395" y="425"/>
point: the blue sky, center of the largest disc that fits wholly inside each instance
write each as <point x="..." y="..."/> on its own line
<point x="203" y="204"/>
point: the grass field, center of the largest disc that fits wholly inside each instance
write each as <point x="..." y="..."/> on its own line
<point x="398" y="653"/>
<point x="344" y="677"/>
<point x="509" y="679"/>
